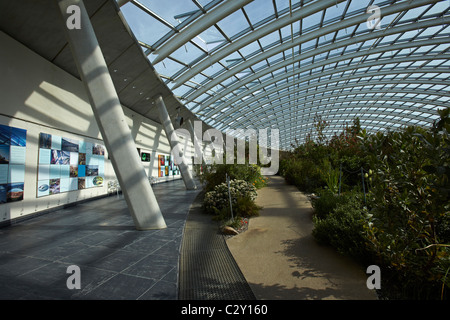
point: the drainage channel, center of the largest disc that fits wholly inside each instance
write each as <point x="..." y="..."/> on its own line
<point x="208" y="270"/>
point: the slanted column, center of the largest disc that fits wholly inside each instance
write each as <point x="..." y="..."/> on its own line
<point x="110" y="119"/>
<point x="198" y="154"/>
<point x="174" y="143"/>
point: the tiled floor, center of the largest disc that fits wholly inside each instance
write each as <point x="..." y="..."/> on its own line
<point x="116" y="261"/>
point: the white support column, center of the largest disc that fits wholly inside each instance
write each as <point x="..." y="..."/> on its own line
<point x="174" y="143"/>
<point x="198" y="157"/>
<point x="110" y="118"/>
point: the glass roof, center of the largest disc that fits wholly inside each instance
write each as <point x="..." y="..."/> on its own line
<point x="260" y="64"/>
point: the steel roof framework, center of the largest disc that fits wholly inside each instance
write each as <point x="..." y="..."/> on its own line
<point x="277" y="63"/>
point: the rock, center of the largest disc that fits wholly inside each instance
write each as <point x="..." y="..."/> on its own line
<point x="229" y="231"/>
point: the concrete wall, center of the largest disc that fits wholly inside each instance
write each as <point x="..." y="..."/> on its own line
<point x="38" y="96"/>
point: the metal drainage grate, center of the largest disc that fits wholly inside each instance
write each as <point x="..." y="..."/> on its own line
<point x="208" y="270"/>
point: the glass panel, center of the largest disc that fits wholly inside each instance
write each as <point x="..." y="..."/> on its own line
<point x="139" y="21"/>
<point x="169" y="9"/>
<point x="259" y="10"/>
<point x="168" y="67"/>
<point x="233" y="24"/>
<point x="187" y="53"/>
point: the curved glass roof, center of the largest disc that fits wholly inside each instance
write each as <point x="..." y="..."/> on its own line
<point x="259" y="64"/>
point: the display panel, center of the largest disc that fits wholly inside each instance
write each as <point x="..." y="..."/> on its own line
<point x="145" y="157"/>
<point x="12" y="163"/>
<point x="68" y="165"/>
<point x="167" y="166"/>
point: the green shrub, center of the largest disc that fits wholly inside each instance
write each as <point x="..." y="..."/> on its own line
<point x="330" y="175"/>
<point x="343" y="228"/>
<point x="246" y="207"/>
<point x="214" y="175"/>
<point x="325" y="203"/>
<point x="302" y="173"/>
<point x="407" y="193"/>
<point x="243" y="195"/>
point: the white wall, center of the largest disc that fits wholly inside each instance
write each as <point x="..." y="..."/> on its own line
<point x="40" y="97"/>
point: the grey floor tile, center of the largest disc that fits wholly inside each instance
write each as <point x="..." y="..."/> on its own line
<point x="146" y="245"/>
<point x="162" y="290"/>
<point x="120" y="287"/>
<point x="119" y="260"/>
<point x="58" y="251"/>
<point x="47" y="282"/>
<point x="116" y="260"/>
<point x="91" y="278"/>
<point x="12" y="265"/>
<point x="152" y="267"/>
<point x="88" y="256"/>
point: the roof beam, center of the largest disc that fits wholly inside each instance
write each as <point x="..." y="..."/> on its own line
<point x="435" y="41"/>
<point x="281" y="22"/>
<point x="197" y="27"/>
<point x="334" y="46"/>
<point x="354" y="76"/>
<point x="309" y="103"/>
<point x="253" y="36"/>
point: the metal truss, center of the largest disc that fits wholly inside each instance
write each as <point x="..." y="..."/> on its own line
<point x="273" y="64"/>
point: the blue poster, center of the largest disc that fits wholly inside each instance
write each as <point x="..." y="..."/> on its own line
<point x="16" y="173"/>
<point x="55" y="171"/>
<point x="18" y="137"/>
<point x="14" y="192"/>
<point x="12" y="163"/>
<point x="44" y="172"/>
<point x="64" y="185"/>
<point x="56" y="142"/>
<point x="43" y="188"/>
<point x="4" y="154"/>
<point x="65" y="171"/>
<point x="45" y="156"/>
<point x="5" y="135"/>
<point x="65" y="164"/>
<point x="81" y="171"/>
<point x="4" y="171"/>
<point x="3" y="192"/>
<point x="17" y="155"/>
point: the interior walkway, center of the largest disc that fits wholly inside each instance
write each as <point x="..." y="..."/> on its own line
<point x="116" y="261"/>
<point x="280" y="258"/>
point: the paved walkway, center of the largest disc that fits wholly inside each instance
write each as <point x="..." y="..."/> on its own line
<point x="280" y="258"/>
<point x="116" y="261"/>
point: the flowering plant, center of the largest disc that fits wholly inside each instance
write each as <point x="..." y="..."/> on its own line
<point x="218" y="199"/>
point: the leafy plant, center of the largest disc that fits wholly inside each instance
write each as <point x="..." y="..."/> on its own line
<point x="404" y="224"/>
<point x="325" y="203"/>
<point x="243" y="195"/>
<point x="216" y="174"/>
<point x="343" y="228"/>
<point x="330" y="175"/>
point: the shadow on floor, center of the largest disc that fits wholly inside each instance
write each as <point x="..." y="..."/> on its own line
<point x="116" y="261"/>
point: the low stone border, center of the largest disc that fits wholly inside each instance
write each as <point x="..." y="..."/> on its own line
<point x="229" y="231"/>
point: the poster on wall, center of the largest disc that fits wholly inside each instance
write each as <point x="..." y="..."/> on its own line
<point x="161" y="165"/>
<point x="167" y="166"/>
<point x="176" y="169"/>
<point x="12" y="163"/>
<point x="145" y="157"/>
<point x="68" y="165"/>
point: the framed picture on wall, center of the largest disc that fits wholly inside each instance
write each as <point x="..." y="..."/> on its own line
<point x="67" y="164"/>
<point x="145" y="157"/>
<point x="12" y="163"/>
